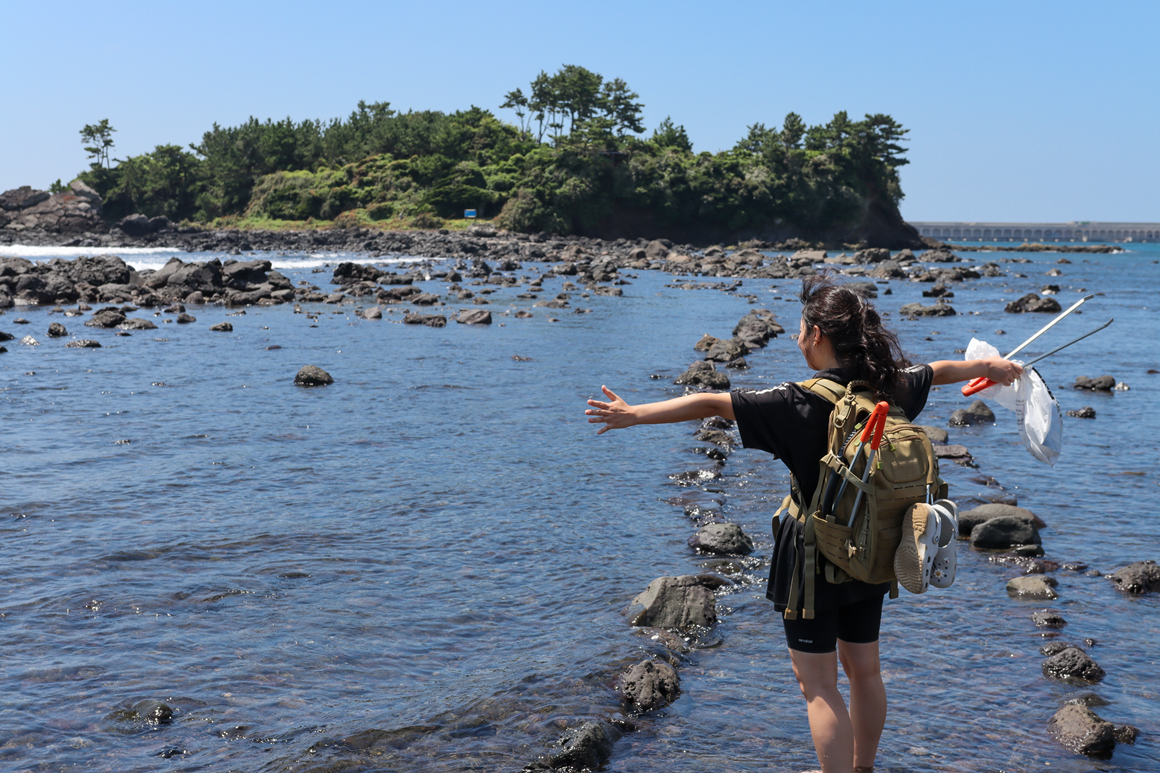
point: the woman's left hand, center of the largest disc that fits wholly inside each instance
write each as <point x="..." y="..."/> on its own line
<point x="615" y="414"/>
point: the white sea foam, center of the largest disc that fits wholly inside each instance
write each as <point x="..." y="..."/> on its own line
<point x="44" y="253"/>
<point x="142" y="258"/>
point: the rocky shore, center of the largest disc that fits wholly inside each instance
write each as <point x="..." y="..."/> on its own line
<point x="678" y="612"/>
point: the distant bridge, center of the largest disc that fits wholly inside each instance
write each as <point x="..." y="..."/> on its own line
<point x="1038" y="232"/>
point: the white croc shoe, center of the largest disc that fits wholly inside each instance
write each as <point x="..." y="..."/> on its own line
<point x="914" y="559"/>
<point x="942" y="575"/>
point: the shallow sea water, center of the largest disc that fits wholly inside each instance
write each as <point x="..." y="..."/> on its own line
<point x="425" y="566"/>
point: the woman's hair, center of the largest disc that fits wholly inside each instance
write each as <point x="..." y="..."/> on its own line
<point x="871" y="352"/>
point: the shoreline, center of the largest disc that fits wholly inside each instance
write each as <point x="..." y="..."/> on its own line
<point x="444" y="242"/>
<point x="594" y="271"/>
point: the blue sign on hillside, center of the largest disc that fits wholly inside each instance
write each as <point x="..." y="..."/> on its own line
<point x="469" y="213"/>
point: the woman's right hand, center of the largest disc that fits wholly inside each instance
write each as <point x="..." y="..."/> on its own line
<point x="615" y="414"/>
<point x="1003" y="371"/>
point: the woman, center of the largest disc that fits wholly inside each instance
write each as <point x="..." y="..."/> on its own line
<point x="841" y="337"/>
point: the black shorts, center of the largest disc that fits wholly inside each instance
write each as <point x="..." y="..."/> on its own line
<point x="855" y="623"/>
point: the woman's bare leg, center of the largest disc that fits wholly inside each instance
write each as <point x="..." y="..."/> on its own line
<point x="833" y="734"/>
<point x="867" y="698"/>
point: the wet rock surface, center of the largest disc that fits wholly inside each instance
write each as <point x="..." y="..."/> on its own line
<point x="1004" y="532"/>
<point x="703" y="373"/>
<point x="722" y="539"/>
<point x="650" y="685"/>
<point x="1033" y="586"/>
<point x="312" y="375"/>
<point x="142" y="715"/>
<point x="937" y="435"/>
<point x="678" y="602"/>
<point x="1031" y="303"/>
<point x="1097" y="384"/>
<point x="955" y="453"/>
<point x="1048" y="620"/>
<point x="976" y="413"/>
<point x="474" y="317"/>
<point x="1081" y="731"/>
<point x="969" y="519"/>
<point x="587" y="747"/>
<point x="1137" y="578"/>
<point x="1073" y="663"/>
<point x="939" y="309"/>
<point x="430" y="320"/>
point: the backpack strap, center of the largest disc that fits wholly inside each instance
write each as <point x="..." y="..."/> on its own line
<point x="806" y="566"/>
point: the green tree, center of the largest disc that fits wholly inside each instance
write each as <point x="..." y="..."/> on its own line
<point x="793" y="129"/>
<point x="98" y="141"/>
<point x="620" y="105"/>
<point x="575" y="100"/>
<point x="515" y="100"/>
<point x="578" y="93"/>
<point x="669" y="135"/>
<point x="757" y="141"/>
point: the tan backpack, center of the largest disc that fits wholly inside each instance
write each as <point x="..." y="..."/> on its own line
<point x="860" y="545"/>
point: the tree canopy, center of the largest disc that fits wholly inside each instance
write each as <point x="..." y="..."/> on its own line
<point x="575" y="156"/>
<point x="98" y="141"/>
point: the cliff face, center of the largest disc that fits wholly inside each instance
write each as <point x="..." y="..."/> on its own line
<point x="879" y="224"/>
<point x="73" y="211"/>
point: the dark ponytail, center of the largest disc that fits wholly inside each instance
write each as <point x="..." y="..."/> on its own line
<point x="869" y="351"/>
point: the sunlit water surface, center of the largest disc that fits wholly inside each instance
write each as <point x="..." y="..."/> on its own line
<point x="425" y="565"/>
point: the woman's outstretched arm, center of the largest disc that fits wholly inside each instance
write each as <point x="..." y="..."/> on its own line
<point x="997" y="369"/>
<point x="617" y="414"/>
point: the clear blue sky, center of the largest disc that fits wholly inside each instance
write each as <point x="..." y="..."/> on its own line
<point x="1017" y="111"/>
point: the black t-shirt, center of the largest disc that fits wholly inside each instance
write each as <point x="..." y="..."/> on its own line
<point x="789" y="422"/>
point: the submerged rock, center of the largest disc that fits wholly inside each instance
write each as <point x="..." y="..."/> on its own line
<point x="1033" y="303"/>
<point x="1137" y="578"/>
<point x="977" y="413"/>
<point x="1004" y="532"/>
<point x="222" y="327"/>
<point x="756" y="328"/>
<point x="937" y="435"/>
<point x="956" y="453"/>
<point x="705" y="344"/>
<point x="1034" y="586"/>
<point x="474" y="317"/>
<point x="1047" y="619"/>
<point x="678" y="602"/>
<point x="84" y="343"/>
<point x="726" y="350"/>
<point x="705" y="374"/>
<point x="969" y="519"/>
<point x="587" y="747"/>
<point x="1087" y="412"/>
<point x="650" y="685"/>
<point x="108" y="317"/>
<point x="140" y="715"/>
<point x="312" y="375"/>
<point x="430" y="320"/>
<point x="722" y="539"/>
<point x="1073" y="663"/>
<point x="1081" y="731"/>
<point x="939" y="309"/>
<point x="1097" y="384"/>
